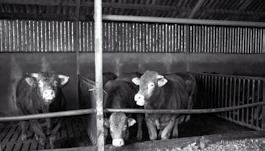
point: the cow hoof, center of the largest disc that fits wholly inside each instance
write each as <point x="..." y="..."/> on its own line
<point x="153" y="138"/>
<point x="40" y="140"/>
<point x="139" y="136"/>
<point x="165" y="135"/>
<point x="23" y="137"/>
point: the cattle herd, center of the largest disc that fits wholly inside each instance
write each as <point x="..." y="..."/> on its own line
<point x="42" y="92"/>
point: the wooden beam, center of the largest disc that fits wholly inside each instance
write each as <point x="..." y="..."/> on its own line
<point x="181" y="21"/>
<point x="39" y="2"/>
<point x="76" y="44"/>
<point x="196" y="8"/>
<point x="239" y="12"/>
<point x="91" y="4"/>
<point x="99" y="73"/>
<point x="37" y="16"/>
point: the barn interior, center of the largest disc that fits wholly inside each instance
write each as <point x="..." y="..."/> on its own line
<point x="221" y="42"/>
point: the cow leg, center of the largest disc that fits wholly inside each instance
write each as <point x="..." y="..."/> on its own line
<point x="139" y="124"/>
<point x="23" y="130"/>
<point x="48" y="122"/>
<point x="168" y="129"/>
<point x="54" y="132"/>
<point x="151" y="129"/>
<point x="39" y="134"/>
<point x="175" y="132"/>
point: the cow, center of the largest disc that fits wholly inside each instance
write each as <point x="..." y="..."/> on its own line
<point x="41" y="93"/>
<point x="171" y="91"/>
<point x="120" y="94"/>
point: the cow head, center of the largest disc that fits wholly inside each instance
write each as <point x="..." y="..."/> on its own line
<point x="46" y="84"/>
<point x="118" y="123"/>
<point x="148" y="83"/>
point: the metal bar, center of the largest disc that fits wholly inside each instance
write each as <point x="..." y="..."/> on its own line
<point x="99" y="74"/>
<point x="234" y="99"/>
<point x="48" y="115"/>
<point x="233" y="76"/>
<point x="76" y="43"/>
<point x="259" y="107"/>
<point x="243" y="100"/>
<point x="185" y="111"/>
<point x="181" y="21"/>
<point x="252" y="101"/>
<point x="247" y="101"/>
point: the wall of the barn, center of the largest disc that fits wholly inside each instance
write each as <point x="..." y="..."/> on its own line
<point x="128" y="47"/>
<point x="58" y="36"/>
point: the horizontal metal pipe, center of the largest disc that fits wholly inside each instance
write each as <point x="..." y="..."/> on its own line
<point x="181" y="21"/>
<point x="90" y="111"/>
<point x="185" y="111"/>
<point x="48" y="115"/>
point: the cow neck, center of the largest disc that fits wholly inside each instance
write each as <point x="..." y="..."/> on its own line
<point x="155" y="100"/>
<point x="163" y="97"/>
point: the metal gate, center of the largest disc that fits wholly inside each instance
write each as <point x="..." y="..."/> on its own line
<point x="218" y="91"/>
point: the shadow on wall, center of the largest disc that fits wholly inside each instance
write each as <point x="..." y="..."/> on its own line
<point x="133" y="62"/>
<point x="14" y="66"/>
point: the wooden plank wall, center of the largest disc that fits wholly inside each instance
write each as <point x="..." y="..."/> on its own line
<point x="58" y="36"/>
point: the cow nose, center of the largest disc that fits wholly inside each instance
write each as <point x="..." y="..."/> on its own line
<point x="139" y="99"/>
<point x="48" y="94"/>
<point x="118" y="142"/>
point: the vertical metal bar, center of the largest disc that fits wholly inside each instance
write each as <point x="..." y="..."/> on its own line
<point x="234" y="99"/>
<point x="206" y="92"/>
<point x="259" y="107"/>
<point x="248" y="91"/>
<point x="223" y="93"/>
<point x="263" y="108"/>
<point x="238" y="98"/>
<point x="98" y="75"/>
<point x="253" y="101"/>
<point x="244" y="100"/>
<point x="230" y="96"/>
<point x="226" y="94"/>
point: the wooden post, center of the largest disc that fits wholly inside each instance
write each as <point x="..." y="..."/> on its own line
<point x="76" y="46"/>
<point x="99" y="75"/>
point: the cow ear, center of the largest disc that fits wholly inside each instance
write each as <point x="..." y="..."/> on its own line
<point x="35" y="75"/>
<point x="131" y="122"/>
<point x="106" y="123"/>
<point x="161" y="80"/>
<point x="30" y="81"/>
<point x="136" y="80"/>
<point x="63" y="79"/>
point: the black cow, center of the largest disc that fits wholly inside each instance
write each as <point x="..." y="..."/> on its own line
<point x="120" y="94"/>
<point x="171" y="91"/>
<point x="41" y="93"/>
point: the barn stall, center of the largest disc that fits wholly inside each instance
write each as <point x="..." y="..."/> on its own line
<point x="222" y="43"/>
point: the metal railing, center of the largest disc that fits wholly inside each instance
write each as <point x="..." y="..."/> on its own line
<point x="227" y="90"/>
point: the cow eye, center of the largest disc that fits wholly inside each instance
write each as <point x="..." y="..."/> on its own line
<point x="40" y="84"/>
<point x="124" y="128"/>
<point x="151" y="85"/>
<point x="55" y="83"/>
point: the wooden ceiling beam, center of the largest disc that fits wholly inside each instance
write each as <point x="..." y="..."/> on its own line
<point x="196" y="8"/>
<point x="38" y="2"/>
<point x="226" y="11"/>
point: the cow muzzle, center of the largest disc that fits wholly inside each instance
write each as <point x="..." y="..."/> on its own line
<point x="48" y="95"/>
<point x="118" y="142"/>
<point x="139" y="98"/>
